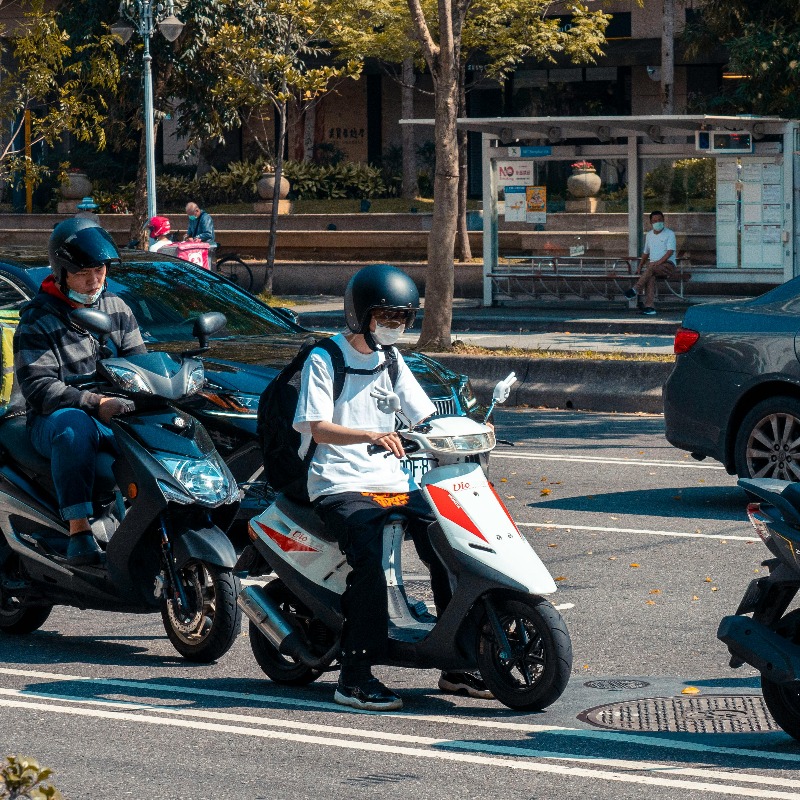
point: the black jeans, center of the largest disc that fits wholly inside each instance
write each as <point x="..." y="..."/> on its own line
<point x="357" y="521"/>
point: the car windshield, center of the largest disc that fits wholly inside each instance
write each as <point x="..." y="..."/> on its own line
<point x="166" y="297"/>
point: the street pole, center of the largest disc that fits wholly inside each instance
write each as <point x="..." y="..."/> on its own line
<point x="146" y="28"/>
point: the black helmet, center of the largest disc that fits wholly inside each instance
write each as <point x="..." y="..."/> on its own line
<point x="77" y="244"/>
<point x="379" y="286"/>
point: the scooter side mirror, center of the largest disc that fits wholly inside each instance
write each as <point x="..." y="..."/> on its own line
<point x="503" y="389"/>
<point x="96" y="322"/>
<point x="208" y="324"/>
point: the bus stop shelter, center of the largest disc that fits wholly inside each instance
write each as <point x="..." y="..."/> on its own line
<point x="751" y="226"/>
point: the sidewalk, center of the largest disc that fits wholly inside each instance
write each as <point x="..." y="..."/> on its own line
<point x="591" y="384"/>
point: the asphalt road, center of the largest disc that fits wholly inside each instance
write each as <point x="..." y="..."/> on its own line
<point x="650" y="549"/>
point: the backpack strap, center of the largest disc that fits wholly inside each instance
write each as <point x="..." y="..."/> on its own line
<point x="339" y="367"/>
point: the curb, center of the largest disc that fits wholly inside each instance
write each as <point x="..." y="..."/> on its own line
<point x="584" y="384"/>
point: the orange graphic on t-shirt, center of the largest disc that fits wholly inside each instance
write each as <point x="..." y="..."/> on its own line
<point x="388" y="499"/>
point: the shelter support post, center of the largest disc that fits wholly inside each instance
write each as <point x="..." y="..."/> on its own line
<point x="490" y="218"/>
<point x="634" y="197"/>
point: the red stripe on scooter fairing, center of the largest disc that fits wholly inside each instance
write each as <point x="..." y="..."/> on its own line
<point x="449" y="509"/>
<point x="503" y="506"/>
<point x="286" y="543"/>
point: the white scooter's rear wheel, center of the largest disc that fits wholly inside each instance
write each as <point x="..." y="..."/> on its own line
<point x="537" y="670"/>
<point x="278" y="667"/>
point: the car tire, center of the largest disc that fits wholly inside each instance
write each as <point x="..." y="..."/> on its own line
<point x="768" y="440"/>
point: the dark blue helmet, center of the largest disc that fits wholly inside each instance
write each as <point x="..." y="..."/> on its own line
<point x="379" y="286"/>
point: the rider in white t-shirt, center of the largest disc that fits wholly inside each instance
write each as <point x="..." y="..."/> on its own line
<point x="659" y="255"/>
<point x="352" y="491"/>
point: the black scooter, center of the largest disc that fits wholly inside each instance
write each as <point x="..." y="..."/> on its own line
<point x="770" y="639"/>
<point x="161" y="509"/>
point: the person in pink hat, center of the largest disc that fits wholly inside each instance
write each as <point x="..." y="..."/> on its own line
<point x="159" y="228"/>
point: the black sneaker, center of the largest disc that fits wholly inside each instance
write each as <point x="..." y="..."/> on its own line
<point x="631" y="293"/>
<point x="648" y="311"/>
<point x="83" y="550"/>
<point x="371" y="695"/>
<point x="467" y="683"/>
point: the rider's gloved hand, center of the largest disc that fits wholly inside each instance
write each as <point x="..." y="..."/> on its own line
<point x="112" y="406"/>
<point x="387" y="402"/>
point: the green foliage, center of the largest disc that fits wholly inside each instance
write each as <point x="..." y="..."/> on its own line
<point x="58" y="83"/>
<point x="344" y="180"/>
<point x="23" y="779"/>
<point x="763" y="40"/>
<point x="681" y="181"/>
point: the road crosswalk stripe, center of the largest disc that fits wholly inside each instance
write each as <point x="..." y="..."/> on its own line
<point x="523" y="456"/>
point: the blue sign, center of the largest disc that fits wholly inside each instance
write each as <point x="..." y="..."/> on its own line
<point x="540" y="150"/>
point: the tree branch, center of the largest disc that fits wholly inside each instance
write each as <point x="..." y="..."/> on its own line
<point x="429" y="48"/>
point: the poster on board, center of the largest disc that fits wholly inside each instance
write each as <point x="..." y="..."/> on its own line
<point x="515" y="203"/>
<point x="536" y="204"/>
<point x="514" y="173"/>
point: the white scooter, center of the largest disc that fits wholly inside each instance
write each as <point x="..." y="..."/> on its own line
<point x="497" y="621"/>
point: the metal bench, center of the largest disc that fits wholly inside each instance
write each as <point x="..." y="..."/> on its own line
<point x="584" y="276"/>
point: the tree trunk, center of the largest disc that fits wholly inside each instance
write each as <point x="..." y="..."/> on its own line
<point x="444" y="65"/>
<point x="273" y="220"/>
<point x="140" y="198"/>
<point x="462" y="241"/>
<point x="410" y="186"/>
<point x="668" y="58"/>
<point x="309" y="127"/>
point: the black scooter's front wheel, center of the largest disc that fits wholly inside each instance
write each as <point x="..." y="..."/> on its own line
<point x="536" y="671"/>
<point x="21" y="620"/>
<point x="207" y="629"/>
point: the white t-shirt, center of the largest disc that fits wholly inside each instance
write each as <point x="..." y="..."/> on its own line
<point x="656" y="245"/>
<point x="349" y="468"/>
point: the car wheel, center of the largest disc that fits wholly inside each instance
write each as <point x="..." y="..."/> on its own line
<point x="768" y="441"/>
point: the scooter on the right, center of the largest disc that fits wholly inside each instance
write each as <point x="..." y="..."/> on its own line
<point x="498" y="621"/>
<point x="770" y="639"/>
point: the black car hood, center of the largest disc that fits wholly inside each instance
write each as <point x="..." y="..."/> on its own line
<point x="248" y="364"/>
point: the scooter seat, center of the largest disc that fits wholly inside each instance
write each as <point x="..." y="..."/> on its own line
<point x="305" y="517"/>
<point x="16" y="443"/>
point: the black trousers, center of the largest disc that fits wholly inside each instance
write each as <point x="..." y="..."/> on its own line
<point x="357" y="521"/>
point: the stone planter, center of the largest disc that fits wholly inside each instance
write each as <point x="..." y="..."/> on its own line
<point x="583" y="186"/>
<point x="76" y="186"/>
<point x="266" y="191"/>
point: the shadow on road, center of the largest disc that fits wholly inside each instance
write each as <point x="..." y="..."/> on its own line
<point x="722" y="503"/>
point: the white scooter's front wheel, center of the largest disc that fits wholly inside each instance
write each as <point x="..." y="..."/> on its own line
<point x="536" y="671"/>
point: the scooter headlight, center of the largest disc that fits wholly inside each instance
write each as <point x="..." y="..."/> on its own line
<point x="196" y="380"/>
<point x="471" y="443"/>
<point x="127" y="379"/>
<point x="204" y="479"/>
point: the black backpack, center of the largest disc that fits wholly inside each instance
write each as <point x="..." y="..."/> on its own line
<point x="284" y="470"/>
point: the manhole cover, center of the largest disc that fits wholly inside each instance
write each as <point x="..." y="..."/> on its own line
<point x="722" y="713"/>
<point x="616" y="684"/>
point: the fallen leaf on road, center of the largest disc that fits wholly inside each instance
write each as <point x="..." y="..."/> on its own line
<point x="530" y="483"/>
<point x="586" y="666"/>
<point x="655" y="591"/>
<point x="556" y="483"/>
<point x="695" y="597"/>
<point x="690" y="690"/>
<point x="707" y="579"/>
<point x="544" y="492"/>
<point x="510" y="497"/>
<point x="714" y="589"/>
<point x="634" y="565"/>
<point x="677" y="497"/>
<point x="543" y="478"/>
<point x="612" y="558"/>
<point x="503" y="480"/>
<point x="560" y="578"/>
<point x="650" y="602"/>
<point x="697" y="530"/>
<point x="723" y="541"/>
<point x="588" y="552"/>
<point x="552" y="544"/>
<point x="701" y="481"/>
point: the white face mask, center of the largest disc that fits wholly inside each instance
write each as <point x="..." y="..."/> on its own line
<point x="85" y="299"/>
<point x="384" y="335"/>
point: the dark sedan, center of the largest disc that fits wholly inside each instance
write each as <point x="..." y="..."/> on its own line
<point x="734" y="394"/>
<point x="166" y="295"/>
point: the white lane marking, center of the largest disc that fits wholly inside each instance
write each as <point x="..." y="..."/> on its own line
<point x="466" y="720"/>
<point x="682" y="534"/>
<point x="639" y="766"/>
<point x="599" y="460"/>
<point x="564" y="606"/>
<point x="505" y="763"/>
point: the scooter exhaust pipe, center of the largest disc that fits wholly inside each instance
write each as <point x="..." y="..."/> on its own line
<point x="264" y="613"/>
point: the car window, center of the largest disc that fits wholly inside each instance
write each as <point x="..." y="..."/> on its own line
<point x="166" y="297"/>
<point x="12" y="295"/>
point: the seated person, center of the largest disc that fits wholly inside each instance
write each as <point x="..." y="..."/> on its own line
<point x="159" y="228"/>
<point x="66" y="424"/>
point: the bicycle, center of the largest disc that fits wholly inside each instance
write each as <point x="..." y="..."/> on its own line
<point x="232" y="267"/>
